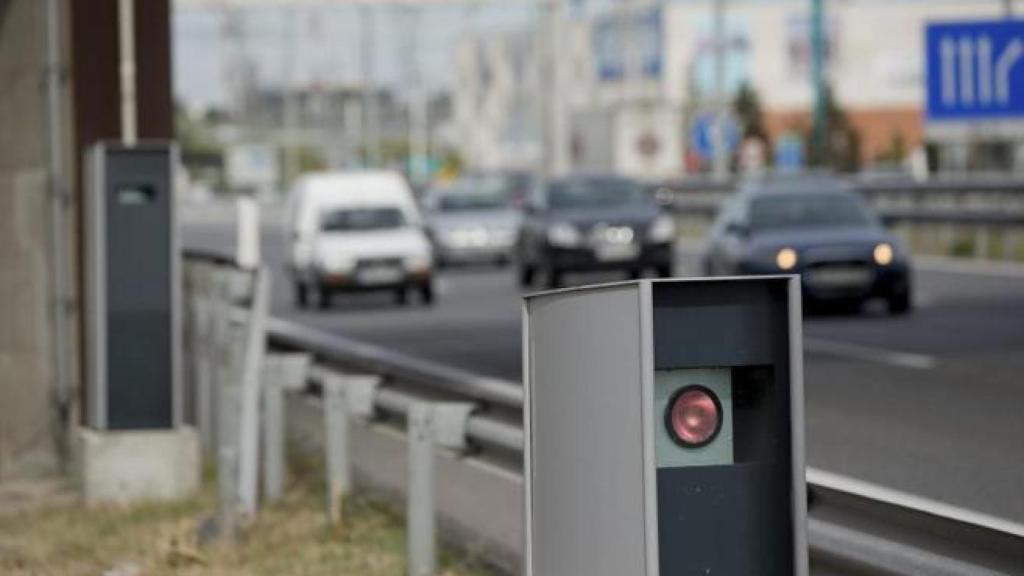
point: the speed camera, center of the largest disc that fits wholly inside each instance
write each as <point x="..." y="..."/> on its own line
<point x="132" y="311"/>
<point x="664" y="429"/>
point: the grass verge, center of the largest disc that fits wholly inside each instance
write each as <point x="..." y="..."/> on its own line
<point x="289" y="538"/>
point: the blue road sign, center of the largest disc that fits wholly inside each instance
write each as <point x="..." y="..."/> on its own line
<point x="975" y="70"/>
<point x="789" y="153"/>
<point x="702" y="135"/>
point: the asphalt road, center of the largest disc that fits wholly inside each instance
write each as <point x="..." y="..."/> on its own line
<point x="931" y="403"/>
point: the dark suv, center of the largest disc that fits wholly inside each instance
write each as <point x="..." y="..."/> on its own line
<point x="583" y="223"/>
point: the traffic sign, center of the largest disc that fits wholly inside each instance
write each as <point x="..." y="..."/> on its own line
<point x="975" y="70"/>
<point x="702" y="135"/>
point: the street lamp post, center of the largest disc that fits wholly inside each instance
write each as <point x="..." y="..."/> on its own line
<point x="721" y="155"/>
<point x="820" y="125"/>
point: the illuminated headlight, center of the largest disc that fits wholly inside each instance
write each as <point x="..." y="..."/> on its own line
<point x="663" y="229"/>
<point x="502" y="236"/>
<point x="786" y="259"/>
<point x="564" y="234"/>
<point x="336" y="262"/>
<point x="418" y="263"/>
<point x="463" y="237"/>
<point x="883" y="254"/>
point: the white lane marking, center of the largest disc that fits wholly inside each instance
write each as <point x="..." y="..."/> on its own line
<point x="871" y="354"/>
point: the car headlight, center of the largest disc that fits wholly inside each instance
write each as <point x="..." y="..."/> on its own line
<point x="662" y="230"/>
<point x="564" y="234"/>
<point x="335" y="262"/>
<point x="884" y="254"/>
<point x="786" y="259"/>
<point x="418" y="263"/>
<point x="468" y="236"/>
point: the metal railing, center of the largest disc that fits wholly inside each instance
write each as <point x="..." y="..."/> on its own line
<point x="988" y="212"/>
<point x="854" y="527"/>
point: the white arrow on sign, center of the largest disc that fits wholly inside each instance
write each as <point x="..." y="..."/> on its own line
<point x="1013" y="52"/>
<point x="985" y="70"/>
<point x="960" y="55"/>
<point x="948" y="49"/>
<point x="966" y="70"/>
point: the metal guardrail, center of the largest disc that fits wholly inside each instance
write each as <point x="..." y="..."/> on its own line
<point x="990" y="209"/>
<point x="854" y="527"/>
<point x="996" y="203"/>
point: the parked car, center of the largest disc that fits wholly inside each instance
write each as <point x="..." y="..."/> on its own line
<point x="820" y="228"/>
<point x="589" y="222"/>
<point x="356" y="231"/>
<point x="472" y="220"/>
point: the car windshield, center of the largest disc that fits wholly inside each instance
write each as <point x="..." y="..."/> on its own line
<point x="809" y="211"/>
<point x="595" y="193"/>
<point x="359" y="219"/>
<point x="478" y="194"/>
<point x="470" y="202"/>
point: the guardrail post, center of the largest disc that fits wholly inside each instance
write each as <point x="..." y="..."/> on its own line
<point x="345" y="395"/>
<point x="422" y="549"/>
<point x="249" y="394"/>
<point x="427" y="424"/>
<point x="281" y="373"/>
<point x="227" y="463"/>
<point x="202" y="349"/>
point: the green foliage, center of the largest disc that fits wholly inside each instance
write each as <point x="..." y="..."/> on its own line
<point x="842" y="143"/>
<point x="749" y="113"/>
<point x="195" y="135"/>
<point x="306" y="159"/>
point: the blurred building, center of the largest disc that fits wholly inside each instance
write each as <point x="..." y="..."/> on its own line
<point x="640" y="84"/>
<point x="326" y="118"/>
<point x="498" y="101"/>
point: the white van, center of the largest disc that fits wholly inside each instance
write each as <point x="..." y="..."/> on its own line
<point x="356" y="231"/>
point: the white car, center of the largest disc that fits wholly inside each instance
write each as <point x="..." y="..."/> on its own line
<point x="351" y="231"/>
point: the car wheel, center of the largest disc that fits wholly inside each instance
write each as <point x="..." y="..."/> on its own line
<point x="526" y="274"/>
<point x="899" y="303"/>
<point x="401" y="296"/>
<point x="664" y="271"/>
<point x="301" y="294"/>
<point x="427" y="293"/>
<point x="324" y="296"/>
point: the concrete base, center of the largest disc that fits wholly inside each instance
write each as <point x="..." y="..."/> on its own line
<point x="126" y="466"/>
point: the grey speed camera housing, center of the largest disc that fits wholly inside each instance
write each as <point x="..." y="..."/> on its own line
<point x="664" y="429"/>
<point x="132" y="287"/>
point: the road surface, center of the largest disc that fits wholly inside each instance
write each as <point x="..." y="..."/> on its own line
<point x="931" y="403"/>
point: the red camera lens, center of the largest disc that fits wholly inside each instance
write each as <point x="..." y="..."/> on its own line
<point x="694" y="416"/>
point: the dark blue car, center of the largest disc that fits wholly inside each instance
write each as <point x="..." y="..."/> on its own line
<point x="818" y="228"/>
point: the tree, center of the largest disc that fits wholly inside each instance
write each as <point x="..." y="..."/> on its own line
<point x="747" y="107"/>
<point x="842" y="149"/>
